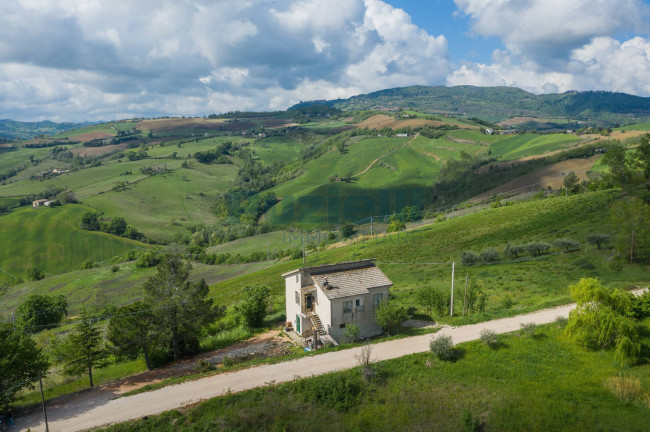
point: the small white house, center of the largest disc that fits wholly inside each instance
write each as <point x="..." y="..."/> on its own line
<point x="489" y="131"/>
<point x="39" y="203"/>
<point x="402" y="135"/>
<point x="326" y="298"/>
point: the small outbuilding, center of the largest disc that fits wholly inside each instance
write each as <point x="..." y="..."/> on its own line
<point x="40" y="203"/>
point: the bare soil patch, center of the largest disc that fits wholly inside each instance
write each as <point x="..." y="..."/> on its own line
<point x="165" y="125"/>
<point x="89" y="136"/>
<point x="94" y="151"/>
<point x="552" y="175"/>
<point x="380" y="121"/>
<point x="617" y="135"/>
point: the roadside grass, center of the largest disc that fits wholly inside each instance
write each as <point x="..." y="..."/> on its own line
<point x="530" y="384"/>
<point x="530" y="144"/>
<point x="51" y="240"/>
<point x="638" y="126"/>
<point x="56" y="384"/>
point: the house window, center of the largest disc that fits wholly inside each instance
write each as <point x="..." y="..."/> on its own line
<point x="376" y="299"/>
<point x="357" y="305"/>
<point x="347" y="307"/>
<point x="297" y="297"/>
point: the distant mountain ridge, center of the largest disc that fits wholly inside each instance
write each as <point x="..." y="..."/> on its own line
<point x="492" y="103"/>
<point x="13" y="129"/>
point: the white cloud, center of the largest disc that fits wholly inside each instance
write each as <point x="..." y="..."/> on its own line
<point x="548" y="30"/>
<point x="105" y="58"/>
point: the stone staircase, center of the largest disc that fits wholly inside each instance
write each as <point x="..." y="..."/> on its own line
<point x="318" y="325"/>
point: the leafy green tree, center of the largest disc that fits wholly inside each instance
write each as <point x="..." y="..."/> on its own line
<point x="513" y="251"/>
<point x="39" y="312"/>
<point x="537" y="248"/>
<point x="90" y="221"/>
<point x="131" y="331"/>
<point x="469" y="257"/>
<point x="489" y="255"/>
<point x="117" y="226"/>
<point x="181" y="306"/>
<point x="390" y="316"/>
<point x="252" y="309"/>
<point x="396" y="224"/>
<point x="598" y="239"/>
<point x="433" y="299"/>
<point x="616" y="160"/>
<point x="347" y="229"/>
<point x="642" y="154"/>
<point x="20" y="363"/>
<point x="571" y="183"/>
<point x="602" y="320"/>
<point x="85" y="349"/>
<point x="567" y="245"/>
<point x="632" y="219"/>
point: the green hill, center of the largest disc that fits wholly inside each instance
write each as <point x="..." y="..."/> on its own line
<point x="498" y="103"/>
<point x="51" y="239"/>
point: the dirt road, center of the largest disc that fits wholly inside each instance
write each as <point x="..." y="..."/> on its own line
<point x="94" y="413"/>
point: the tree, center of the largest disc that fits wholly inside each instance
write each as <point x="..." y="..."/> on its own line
<point x="489" y="255"/>
<point x="390" y="316"/>
<point x="642" y="154"/>
<point x="35" y="274"/>
<point x="352" y="332"/>
<point x="90" y="221"/>
<point x="252" y="309"/>
<point x="39" y="312"/>
<point x="347" y="229"/>
<point x="20" y="363"/>
<point x="181" y="306"/>
<point x="537" y="248"/>
<point x="598" y="239"/>
<point x="117" y="226"/>
<point x="131" y="331"/>
<point x="617" y="162"/>
<point x="513" y="251"/>
<point x="632" y="218"/>
<point x="85" y="349"/>
<point x="567" y="245"/>
<point x="601" y="320"/>
<point x="571" y="183"/>
<point x="433" y="299"/>
<point x="469" y="258"/>
<point x="396" y="224"/>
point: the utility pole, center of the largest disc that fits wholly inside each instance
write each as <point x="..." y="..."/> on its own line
<point x="268" y="257"/>
<point x="13" y="319"/>
<point x="302" y="237"/>
<point x="465" y="298"/>
<point x="371" y="220"/>
<point x="40" y="381"/>
<point x="451" y="308"/>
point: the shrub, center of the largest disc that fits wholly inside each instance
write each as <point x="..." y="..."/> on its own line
<point x="205" y="366"/>
<point x="537" y="248"/>
<point x="252" y="309"/>
<point x="513" y="251"/>
<point x="489" y="255"/>
<point x="39" y="312"/>
<point x="35" y="274"/>
<point x="352" y="332"/>
<point x="470" y="423"/>
<point x="567" y="245"/>
<point x="507" y="302"/>
<point x="561" y="321"/>
<point x="528" y="328"/>
<point x="115" y="268"/>
<point x="339" y="391"/>
<point x="469" y="258"/>
<point x="88" y="264"/>
<point x="148" y="259"/>
<point x="228" y="361"/>
<point x="443" y="347"/>
<point x="390" y="316"/>
<point x="489" y="338"/>
<point x="90" y="221"/>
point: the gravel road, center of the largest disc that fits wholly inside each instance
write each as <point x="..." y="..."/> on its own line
<point x="95" y="413"/>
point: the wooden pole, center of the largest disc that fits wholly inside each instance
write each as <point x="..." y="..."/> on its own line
<point x="465" y="298"/>
<point x="451" y="307"/>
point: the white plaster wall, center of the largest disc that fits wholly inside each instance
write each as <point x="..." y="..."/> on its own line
<point x="292" y="308"/>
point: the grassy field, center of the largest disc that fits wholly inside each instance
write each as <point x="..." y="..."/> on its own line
<point x="423" y="256"/>
<point x="276" y="149"/>
<point x="51" y="239"/>
<point x="103" y="127"/>
<point x="638" y="126"/>
<point x="530" y="383"/>
<point x="100" y="287"/>
<point x="530" y="144"/>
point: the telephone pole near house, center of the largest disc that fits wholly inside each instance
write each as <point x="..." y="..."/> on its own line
<point x="451" y="308"/>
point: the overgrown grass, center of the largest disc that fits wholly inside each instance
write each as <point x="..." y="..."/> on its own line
<point x="530" y="384"/>
<point x="530" y="144"/>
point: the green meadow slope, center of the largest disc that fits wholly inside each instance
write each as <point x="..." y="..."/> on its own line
<point x="51" y="239"/>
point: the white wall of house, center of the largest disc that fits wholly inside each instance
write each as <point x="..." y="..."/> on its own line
<point x="292" y="286"/>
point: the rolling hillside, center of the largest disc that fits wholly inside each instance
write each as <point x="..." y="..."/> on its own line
<point x="51" y="240"/>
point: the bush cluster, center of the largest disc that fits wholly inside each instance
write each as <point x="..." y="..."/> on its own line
<point x="515" y="251"/>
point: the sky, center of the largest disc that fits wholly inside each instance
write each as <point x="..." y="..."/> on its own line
<point x="99" y="60"/>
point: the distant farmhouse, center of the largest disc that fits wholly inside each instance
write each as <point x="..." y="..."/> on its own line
<point x="40" y="202"/>
<point x="401" y="135"/>
<point x="326" y="298"/>
<point x="489" y="131"/>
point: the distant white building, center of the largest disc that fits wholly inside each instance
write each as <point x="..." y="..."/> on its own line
<point x="326" y="298"/>
<point x="489" y="131"/>
<point x="401" y="135"/>
<point x="40" y="202"/>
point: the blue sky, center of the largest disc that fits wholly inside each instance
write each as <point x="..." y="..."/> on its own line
<point x="110" y="59"/>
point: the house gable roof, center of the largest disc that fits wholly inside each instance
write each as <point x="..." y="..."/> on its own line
<point x="346" y="279"/>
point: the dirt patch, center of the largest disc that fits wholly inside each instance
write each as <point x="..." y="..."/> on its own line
<point x="518" y="120"/>
<point x="617" y="135"/>
<point x="275" y="123"/>
<point x="552" y="175"/>
<point x="94" y="151"/>
<point x="89" y="136"/>
<point x="166" y="125"/>
<point x="380" y="121"/>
